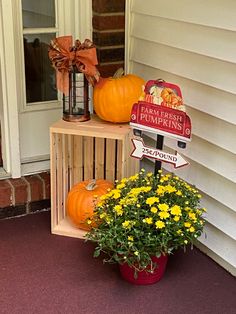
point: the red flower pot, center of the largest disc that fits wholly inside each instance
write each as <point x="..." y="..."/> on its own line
<point x="144" y="277"/>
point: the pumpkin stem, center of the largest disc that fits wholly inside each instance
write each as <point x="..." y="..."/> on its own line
<point x="91" y="185"/>
<point x="119" y="73"/>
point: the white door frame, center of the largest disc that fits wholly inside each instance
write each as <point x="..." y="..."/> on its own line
<point x="74" y="18"/>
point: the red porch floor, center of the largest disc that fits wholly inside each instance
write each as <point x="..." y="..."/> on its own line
<point x="44" y="273"/>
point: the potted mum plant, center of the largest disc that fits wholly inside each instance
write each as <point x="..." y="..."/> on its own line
<point x="143" y="220"/>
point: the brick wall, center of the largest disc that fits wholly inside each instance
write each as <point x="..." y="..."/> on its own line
<point x="109" y="34"/>
<point x="24" y="195"/>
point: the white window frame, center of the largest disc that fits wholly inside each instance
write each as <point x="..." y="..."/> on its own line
<point x="75" y="18"/>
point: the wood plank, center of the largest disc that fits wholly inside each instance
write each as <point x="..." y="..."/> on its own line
<point x="65" y="173"/>
<point x="70" y="152"/>
<point x="59" y="172"/>
<point x="94" y="127"/>
<point x="88" y="157"/>
<point x="119" y="159"/>
<point x="53" y="180"/>
<point x="78" y="159"/>
<point x="65" y="228"/>
<point x="110" y="159"/>
<point x="99" y="158"/>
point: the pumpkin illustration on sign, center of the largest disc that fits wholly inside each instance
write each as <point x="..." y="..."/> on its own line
<point x="114" y="97"/>
<point x="82" y="199"/>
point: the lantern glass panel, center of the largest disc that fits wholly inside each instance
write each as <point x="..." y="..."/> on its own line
<point x="75" y="105"/>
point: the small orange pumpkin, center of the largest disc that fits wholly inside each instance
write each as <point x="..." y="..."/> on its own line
<point x="170" y="99"/>
<point x="82" y="198"/>
<point x="114" y="97"/>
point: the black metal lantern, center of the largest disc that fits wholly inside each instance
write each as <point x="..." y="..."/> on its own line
<point x="76" y="104"/>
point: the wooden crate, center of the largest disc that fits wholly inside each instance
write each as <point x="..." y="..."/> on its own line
<point x="86" y="150"/>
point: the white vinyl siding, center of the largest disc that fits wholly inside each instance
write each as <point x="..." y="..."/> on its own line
<point x="192" y="44"/>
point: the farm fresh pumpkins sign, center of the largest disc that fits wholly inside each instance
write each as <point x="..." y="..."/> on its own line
<point x="161" y="110"/>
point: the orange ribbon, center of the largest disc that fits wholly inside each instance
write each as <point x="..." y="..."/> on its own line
<point x="64" y="58"/>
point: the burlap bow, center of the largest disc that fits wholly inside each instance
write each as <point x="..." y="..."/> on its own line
<point x="64" y="57"/>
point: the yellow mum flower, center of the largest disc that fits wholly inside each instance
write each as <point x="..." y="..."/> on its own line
<point x="148" y="220"/>
<point x="108" y="220"/>
<point x="192" y="216"/>
<point x="163" y="207"/>
<point x="187" y="224"/>
<point x="192" y="229"/>
<point x="179" y="193"/>
<point x="152" y="200"/>
<point x="176" y="210"/>
<point x="102" y="215"/>
<point x="89" y="222"/>
<point x="176" y="218"/>
<point x="130" y="238"/>
<point x="124" y="180"/>
<point x="170" y="189"/>
<point x="133" y="178"/>
<point x="120" y="186"/>
<point x="118" y="210"/>
<point x="136" y="253"/>
<point x="116" y="193"/>
<point x="126" y="224"/>
<point x="103" y="197"/>
<point x="160" y="190"/>
<point x="159" y="224"/>
<point x="154" y="210"/>
<point x="164" y="215"/>
<point x="179" y="231"/>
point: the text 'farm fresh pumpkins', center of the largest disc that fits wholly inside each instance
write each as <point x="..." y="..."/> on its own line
<point x="114" y="97"/>
<point x="82" y="198"/>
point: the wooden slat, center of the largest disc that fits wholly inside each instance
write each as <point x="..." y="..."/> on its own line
<point x="70" y="152"/>
<point x="53" y="180"/>
<point x="119" y="160"/>
<point x="88" y="157"/>
<point x="78" y="159"/>
<point x="110" y="159"/>
<point x="99" y="158"/>
<point x="59" y="164"/>
<point x="65" y="173"/>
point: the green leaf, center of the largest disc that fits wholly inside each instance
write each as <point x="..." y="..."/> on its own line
<point x="96" y="253"/>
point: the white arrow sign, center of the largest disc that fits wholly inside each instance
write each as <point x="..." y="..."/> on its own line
<point x="140" y="150"/>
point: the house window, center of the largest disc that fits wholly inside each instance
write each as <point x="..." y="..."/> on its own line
<point x="38" y="19"/>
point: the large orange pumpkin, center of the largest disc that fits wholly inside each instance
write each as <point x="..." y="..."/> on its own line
<point x="114" y="97"/>
<point x="81" y="200"/>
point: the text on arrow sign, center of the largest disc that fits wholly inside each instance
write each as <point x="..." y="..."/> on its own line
<point x="141" y="150"/>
